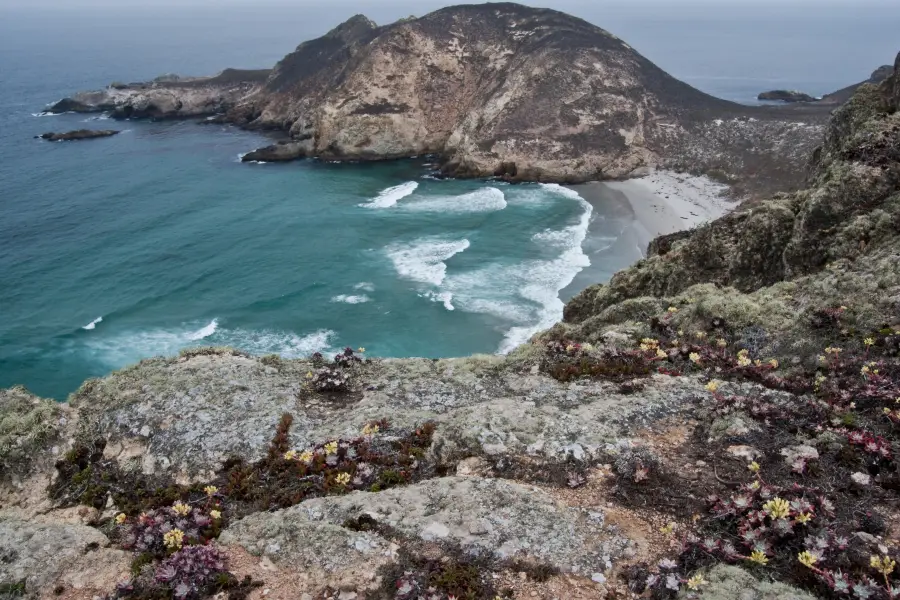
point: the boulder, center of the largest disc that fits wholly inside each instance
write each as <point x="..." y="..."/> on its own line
<point x="280" y="152"/>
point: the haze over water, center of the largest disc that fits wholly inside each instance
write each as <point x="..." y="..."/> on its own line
<point x="157" y="239"/>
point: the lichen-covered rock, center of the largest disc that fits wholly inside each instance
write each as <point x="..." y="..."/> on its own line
<point x="185" y="416"/>
<point x="29" y="426"/>
<point x="479" y="515"/>
<point x="775" y="263"/>
<point x="48" y="560"/>
<point x="733" y="583"/>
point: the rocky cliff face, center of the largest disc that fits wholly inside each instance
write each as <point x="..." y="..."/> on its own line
<point x="497" y="89"/>
<point x="786" y="258"/>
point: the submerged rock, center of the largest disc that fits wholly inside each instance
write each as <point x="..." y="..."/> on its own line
<point x="78" y="134"/>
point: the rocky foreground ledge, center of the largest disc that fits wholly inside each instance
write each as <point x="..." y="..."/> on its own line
<point x="496" y="90"/>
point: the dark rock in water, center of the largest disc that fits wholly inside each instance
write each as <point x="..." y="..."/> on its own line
<point x="78" y="134"/>
<point x="786" y="96"/>
<point x="69" y="105"/>
<point x="280" y="152"/>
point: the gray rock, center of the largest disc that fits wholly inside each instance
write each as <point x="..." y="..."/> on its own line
<point x="44" y="556"/>
<point x="734" y="583"/>
<point x="492" y="515"/>
<point x="480" y="405"/>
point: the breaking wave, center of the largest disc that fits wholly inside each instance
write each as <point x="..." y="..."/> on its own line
<point x="423" y="260"/>
<point x="93" y="324"/>
<point x="128" y="347"/>
<point x="388" y="197"/>
<point x="347" y="299"/>
<point x="484" y="200"/>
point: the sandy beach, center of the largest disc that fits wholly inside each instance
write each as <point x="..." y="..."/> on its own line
<point x="638" y="210"/>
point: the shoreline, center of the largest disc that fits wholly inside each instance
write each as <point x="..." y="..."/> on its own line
<point x="636" y="211"/>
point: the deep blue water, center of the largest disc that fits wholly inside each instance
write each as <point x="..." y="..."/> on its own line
<point x="164" y="234"/>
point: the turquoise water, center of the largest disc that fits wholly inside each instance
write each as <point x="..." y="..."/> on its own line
<point x="157" y="239"/>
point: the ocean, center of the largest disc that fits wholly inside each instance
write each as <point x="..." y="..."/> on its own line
<point x="159" y="238"/>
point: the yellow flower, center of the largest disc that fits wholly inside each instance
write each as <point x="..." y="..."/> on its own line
<point x="777" y="508"/>
<point x="757" y="362"/>
<point x="882" y="564"/>
<point x="843" y="308"/>
<point x="804" y="518"/>
<point x="331" y="447"/>
<point x="181" y="508"/>
<point x="680" y="332"/>
<point x="695" y="358"/>
<point x="807" y="558"/>
<point x="696" y="581"/>
<point x="173" y="539"/>
<point x="864" y="370"/>
<point x="309" y="374"/>
<point x="361" y="350"/>
<point x="721" y="343"/>
<point x="210" y="490"/>
<point x="216" y="515"/>
<point x="743" y="353"/>
<point x="754" y="467"/>
<point x="305" y="456"/>
<point x="587" y="347"/>
<point x="343" y="478"/>
<point x="570" y="348"/>
<point x="759" y="557"/>
<point x="672" y="309"/>
<point x="667" y="529"/>
<point x="700" y="335"/>
<point x="832" y="350"/>
<point x="290" y="455"/>
<point x="773" y="363"/>
<point x="822" y="358"/>
<point x="754" y="485"/>
<point x="886" y="410"/>
<point x="648" y="344"/>
<point x="370" y="429"/>
<point x="743" y="361"/>
<point x="869" y="341"/>
<point x="712" y="386"/>
<point x="660" y="353"/>
<point x="121" y="518"/>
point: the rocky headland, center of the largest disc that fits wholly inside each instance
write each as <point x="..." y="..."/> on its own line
<point x="78" y="134"/>
<point x="496" y="90"/>
<point x="719" y="421"/>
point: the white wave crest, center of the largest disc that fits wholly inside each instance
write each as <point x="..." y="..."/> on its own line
<point x="389" y="197"/>
<point x="561" y="190"/>
<point x="205" y="332"/>
<point x="444" y="298"/>
<point x="423" y="259"/>
<point x="484" y="200"/>
<point x="526" y="294"/>
<point x="365" y="286"/>
<point x="93" y="324"/>
<point x="346" y="299"/>
<point x="128" y="347"/>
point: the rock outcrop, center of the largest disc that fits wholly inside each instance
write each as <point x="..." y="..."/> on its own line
<point x="786" y="96"/>
<point x="281" y="152"/>
<point x="842" y="95"/>
<point x="78" y="134"/>
<point x="782" y="259"/>
<point x="532" y="93"/>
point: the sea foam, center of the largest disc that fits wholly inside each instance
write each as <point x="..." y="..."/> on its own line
<point x="93" y="324"/>
<point x="389" y="196"/>
<point x="483" y="200"/>
<point x="423" y="260"/>
<point x="526" y="294"/>
<point x="348" y="299"/>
